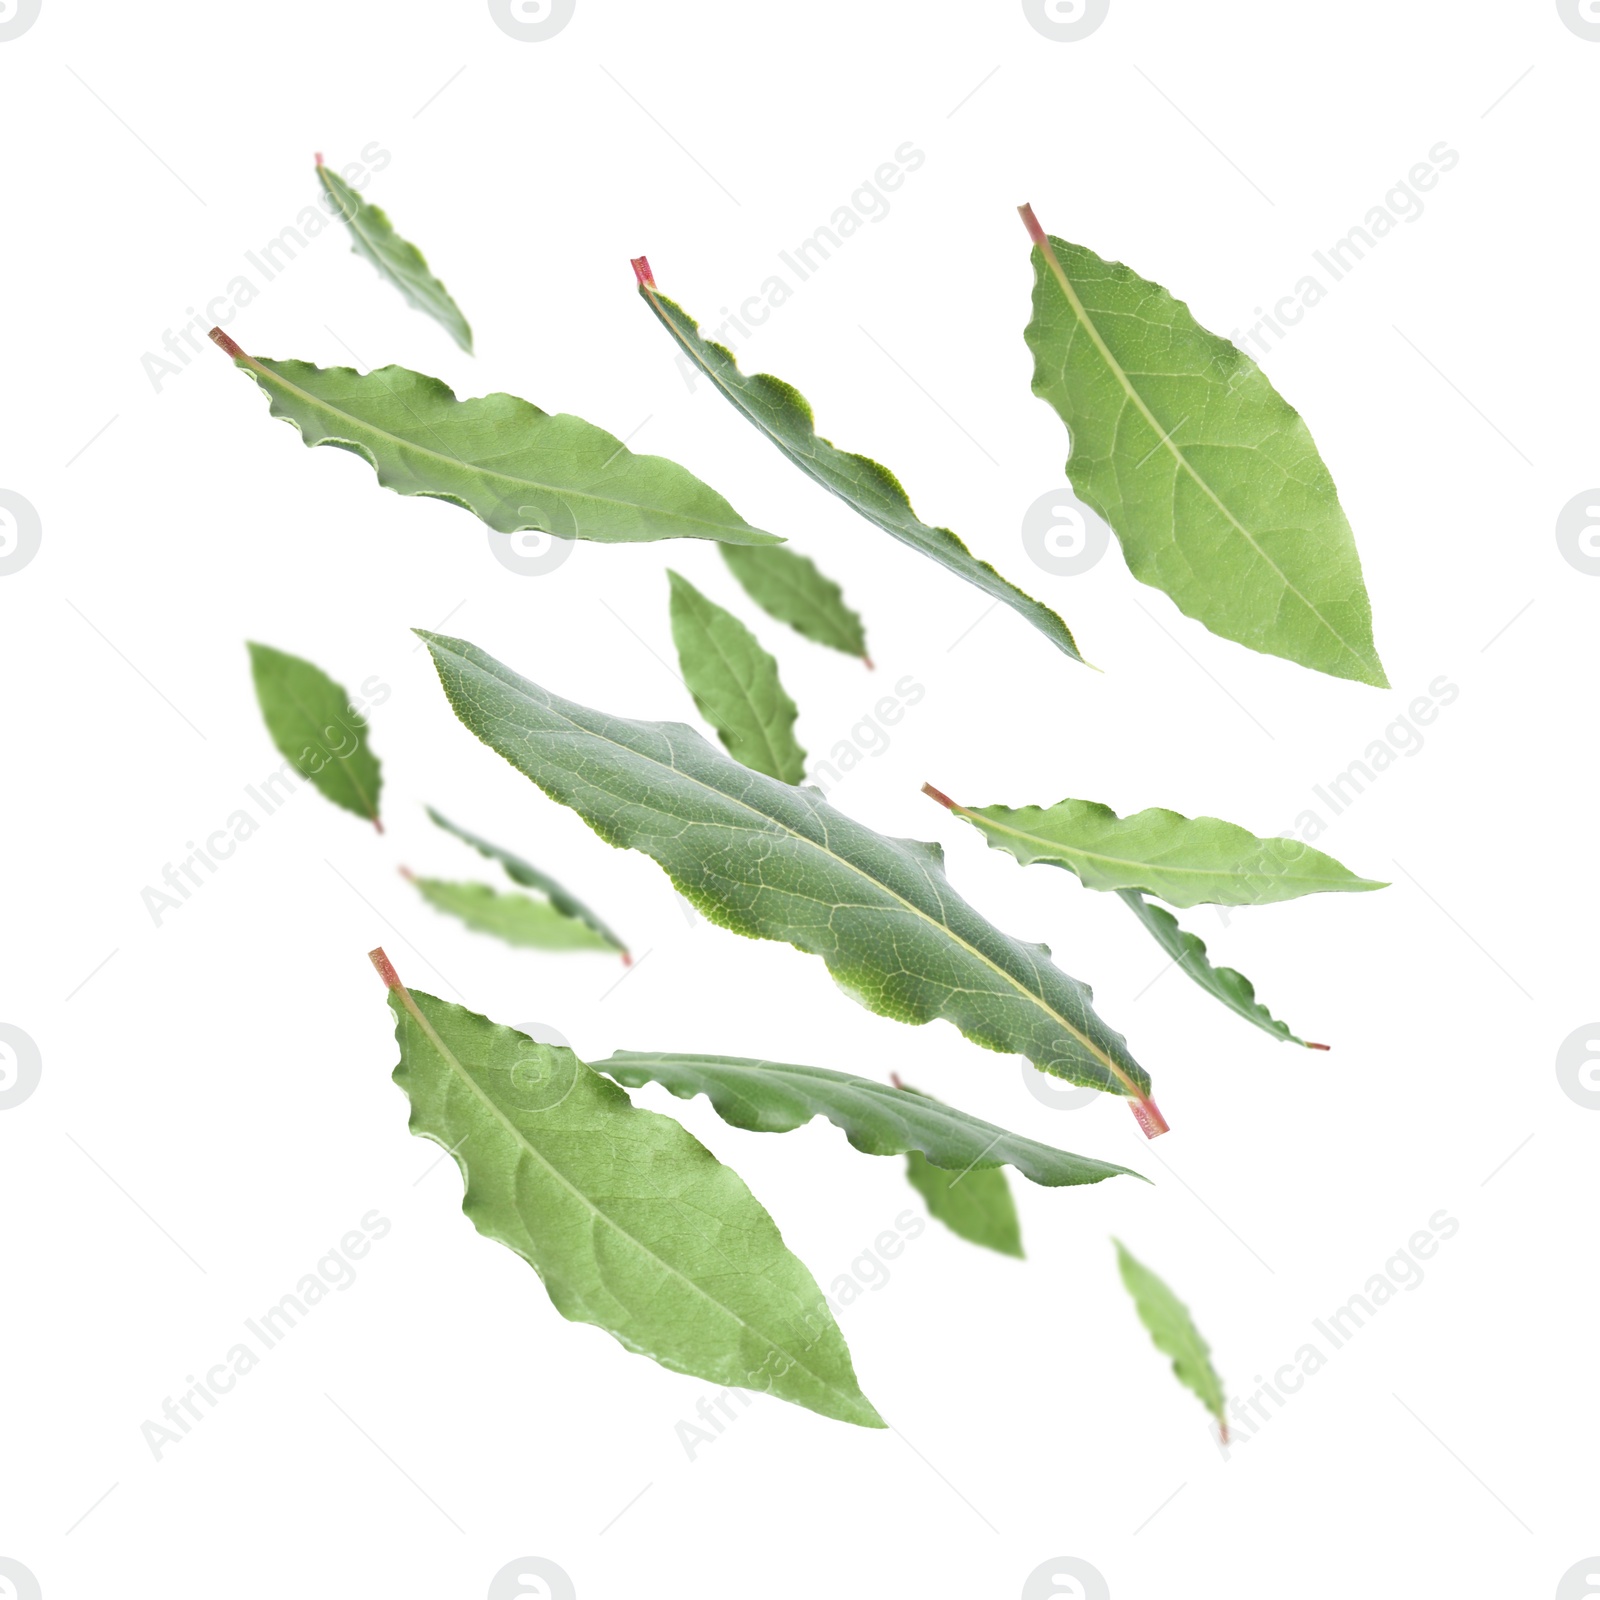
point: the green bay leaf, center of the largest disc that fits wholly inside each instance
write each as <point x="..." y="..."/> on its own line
<point x="788" y="586"/>
<point x="1174" y="1334"/>
<point x="735" y="684"/>
<point x="530" y="877"/>
<point x="1206" y="474"/>
<point x="974" y="1203"/>
<point x="630" y="1222"/>
<point x="773" y="861"/>
<point x="976" y="1206"/>
<point x="517" y="919"/>
<point x="1185" y="861"/>
<point x="313" y="723"/>
<point x="783" y="414"/>
<point x="1188" y="951"/>
<point x="501" y="458"/>
<point x="879" y="1119"/>
<point x="396" y="259"/>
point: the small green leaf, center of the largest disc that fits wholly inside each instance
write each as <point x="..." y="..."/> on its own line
<point x="395" y="258"/>
<point x="879" y="1120"/>
<point x="1188" y="950"/>
<point x="632" y="1223"/>
<point x="773" y="861"/>
<point x="1205" y="473"/>
<point x="1182" y="860"/>
<point x="975" y="1203"/>
<point x="735" y="684"/>
<point x="518" y="919"/>
<point x="499" y="457"/>
<point x="530" y="877"/>
<point x="312" y="722"/>
<point x="788" y="586"/>
<point x="976" y="1206"/>
<point x="783" y="414"/>
<point x="1174" y="1333"/>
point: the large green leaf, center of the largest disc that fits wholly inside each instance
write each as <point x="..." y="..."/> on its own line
<point x="788" y="586"/>
<point x="1188" y="951"/>
<point x="877" y="1118"/>
<point x="518" y="919"/>
<point x="776" y="862"/>
<point x="782" y="413"/>
<point x="530" y="877"/>
<point x="1185" y="861"/>
<point x="1174" y="1333"/>
<point x="501" y="458"/>
<point x="313" y="723"/>
<point x="976" y="1206"/>
<point x="396" y="259"/>
<point x="735" y="684"/>
<point x="632" y="1223"/>
<point x="1205" y="473"/>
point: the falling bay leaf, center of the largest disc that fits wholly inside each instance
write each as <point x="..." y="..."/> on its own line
<point x="312" y="722"/>
<point x="632" y="1224"/>
<point x="735" y="684"/>
<point x="396" y="259"/>
<point x="1205" y="473"/>
<point x="502" y="459"/>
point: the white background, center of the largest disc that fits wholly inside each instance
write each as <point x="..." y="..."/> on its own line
<point x="215" y="1107"/>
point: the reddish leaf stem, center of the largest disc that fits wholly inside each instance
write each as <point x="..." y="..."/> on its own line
<point x="386" y="969"/>
<point x="1035" y="231"/>
<point x="641" y="270"/>
<point x="218" y="337"/>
